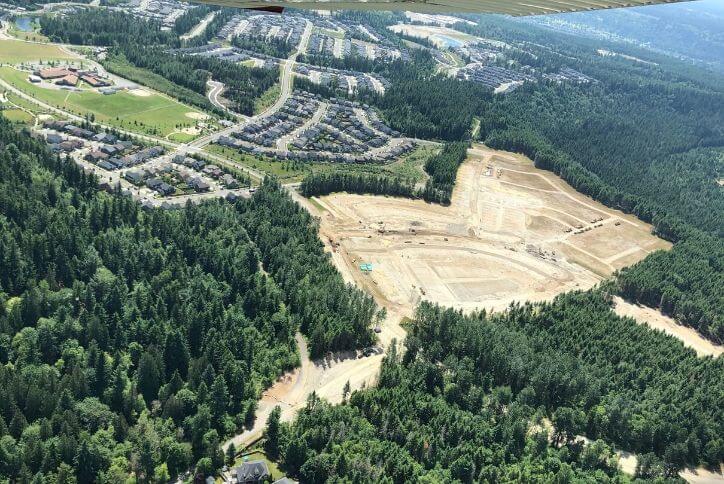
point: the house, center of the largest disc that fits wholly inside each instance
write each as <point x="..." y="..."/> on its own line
<point x="95" y="156"/>
<point x="115" y="161"/>
<point x="135" y="177"/>
<point x="199" y="185"/>
<point x="106" y="165"/>
<point x="105" y="138"/>
<point x="155" y="150"/>
<point x="53" y="138"/>
<point x="165" y="189"/>
<point x="108" y="149"/>
<point x="153" y="183"/>
<point x="53" y="124"/>
<point x="70" y="145"/>
<point x="251" y="471"/>
<point x="229" y="181"/>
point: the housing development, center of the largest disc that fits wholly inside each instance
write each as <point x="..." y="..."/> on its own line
<point x="318" y="246"/>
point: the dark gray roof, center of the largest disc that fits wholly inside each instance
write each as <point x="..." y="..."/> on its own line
<point x="252" y="471"/>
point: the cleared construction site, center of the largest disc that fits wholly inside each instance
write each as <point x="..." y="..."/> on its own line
<point x="512" y="233"/>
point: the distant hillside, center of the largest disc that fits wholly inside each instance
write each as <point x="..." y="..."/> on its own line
<point x="690" y="30"/>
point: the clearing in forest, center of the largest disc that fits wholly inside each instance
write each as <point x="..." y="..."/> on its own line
<point x="512" y="233"/>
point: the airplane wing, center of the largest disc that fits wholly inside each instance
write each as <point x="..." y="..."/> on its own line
<point x="509" y="7"/>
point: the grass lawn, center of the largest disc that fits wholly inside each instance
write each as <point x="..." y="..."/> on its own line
<point x="410" y="166"/>
<point x="331" y="33"/>
<point x="267" y="98"/>
<point x="181" y="137"/>
<point x="15" y="51"/>
<point x="17" y="115"/>
<point x="276" y="473"/>
<point x="153" y="114"/>
<point x="476" y="128"/>
<point x="283" y="171"/>
<point x="24" y="103"/>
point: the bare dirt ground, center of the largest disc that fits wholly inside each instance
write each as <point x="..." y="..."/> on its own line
<point x="512" y="232"/>
<point x="656" y="320"/>
<point x="509" y="234"/>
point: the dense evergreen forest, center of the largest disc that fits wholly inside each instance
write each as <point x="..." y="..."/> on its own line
<point x="144" y="45"/>
<point x="105" y="28"/>
<point x="271" y="47"/>
<point x="316" y="184"/>
<point x="501" y="398"/>
<point x="191" y="18"/>
<point x="133" y="341"/>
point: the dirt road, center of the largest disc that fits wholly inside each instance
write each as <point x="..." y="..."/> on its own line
<point x="656" y="320"/>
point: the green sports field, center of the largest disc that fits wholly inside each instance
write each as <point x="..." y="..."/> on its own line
<point x="151" y="114"/>
<point x="15" y="51"/>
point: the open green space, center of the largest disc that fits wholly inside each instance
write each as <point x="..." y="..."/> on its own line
<point x="274" y="470"/>
<point x="120" y="66"/>
<point x="16" y="51"/>
<point x="152" y="114"/>
<point x="25" y="104"/>
<point x="181" y="137"/>
<point x="286" y="172"/>
<point x="331" y="33"/>
<point x="268" y="98"/>
<point x="410" y="166"/>
<point x="16" y="115"/>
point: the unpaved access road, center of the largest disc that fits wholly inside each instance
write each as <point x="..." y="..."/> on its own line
<point x="656" y="320"/>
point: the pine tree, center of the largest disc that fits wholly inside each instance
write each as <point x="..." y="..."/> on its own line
<point x="149" y="377"/>
<point x="271" y="434"/>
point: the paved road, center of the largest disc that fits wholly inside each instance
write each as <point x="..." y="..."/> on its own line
<point x="284" y="140"/>
<point x="286" y="86"/>
<point x="214" y="95"/>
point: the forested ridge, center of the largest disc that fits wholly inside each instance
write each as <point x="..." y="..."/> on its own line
<point x="133" y="341"/>
<point x="470" y="396"/>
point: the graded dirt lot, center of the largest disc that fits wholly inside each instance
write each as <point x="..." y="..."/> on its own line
<point x="505" y="237"/>
<point x="512" y="232"/>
